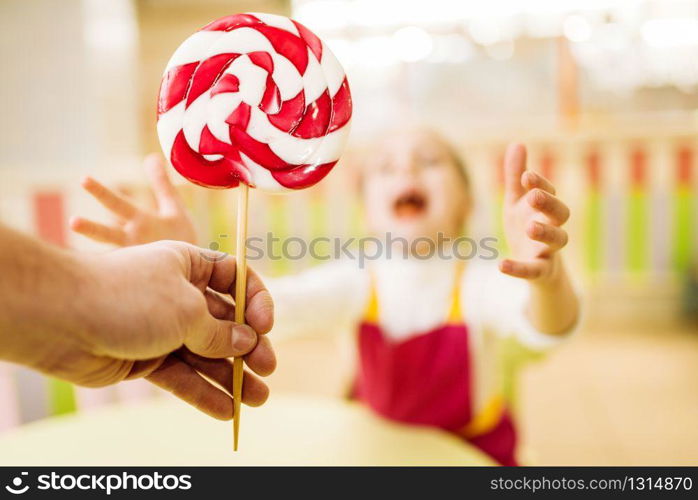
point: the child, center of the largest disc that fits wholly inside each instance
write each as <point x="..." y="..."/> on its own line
<point x="428" y="327"/>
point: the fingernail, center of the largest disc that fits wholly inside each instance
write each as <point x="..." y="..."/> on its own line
<point x="244" y="338"/>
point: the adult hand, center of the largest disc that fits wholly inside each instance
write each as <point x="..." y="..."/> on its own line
<point x="160" y="311"/>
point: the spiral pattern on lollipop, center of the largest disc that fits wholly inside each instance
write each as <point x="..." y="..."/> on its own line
<point x="255" y="98"/>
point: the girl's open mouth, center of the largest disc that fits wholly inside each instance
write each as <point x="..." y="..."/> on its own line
<point x="410" y="204"/>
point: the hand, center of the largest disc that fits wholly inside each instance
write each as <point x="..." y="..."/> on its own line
<point x="533" y="217"/>
<point x="135" y="225"/>
<point x="160" y="311"/>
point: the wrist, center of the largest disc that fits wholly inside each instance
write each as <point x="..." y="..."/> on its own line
<point x="556" y="275"/>
<point x="43" y="304"/>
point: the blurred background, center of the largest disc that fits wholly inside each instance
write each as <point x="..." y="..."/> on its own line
<point x="604" y="93"/>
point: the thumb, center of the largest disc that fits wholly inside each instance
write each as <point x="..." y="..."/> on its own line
<point x="514" y="168"/>
<point x="216" y="338"/>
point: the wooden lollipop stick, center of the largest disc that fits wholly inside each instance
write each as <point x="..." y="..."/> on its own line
<point x="240" y="293"/>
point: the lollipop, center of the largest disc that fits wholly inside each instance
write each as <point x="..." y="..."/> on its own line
<point x="253" y="100"/>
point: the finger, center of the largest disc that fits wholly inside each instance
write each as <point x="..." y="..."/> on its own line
<point x="116" y="203"/>
<point x="167" y="197"/>
<point x="219" y="306"/>
<point x="182" y="380"/>
<point x="97" y="231"/>
<point x="254" y="391"/>
<point x="519" y="269"/>
<point x="262" y="359"/>
<point x="219" y="274"/>
<point x="556" y="211"/>
<point x="553" y="236"/>
<point x="514" y="167"/>
<point x="215" y="338"/>
<point x="531" y="180"/>
<point x="143" y="368"/>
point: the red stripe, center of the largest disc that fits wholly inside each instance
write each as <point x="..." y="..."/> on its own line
<point x="638" y="168"/>
<point x="227" y="83"/>
<point x="316" y="119"/>
<point x="593" y="163"/>
<point x="287" y="44"/>
<point x="174" y="86"/>
<point x="240" y="117"/>
<point x="290" y="114"/>
<point x="547" y="165"/>
<point x="313" y="41"/>
<point x="302" y="177"/>
<point x="271" y="100"/>
<point x="684" y="166"/>
<point x="259" y="152"/>
<point x="263" y="60"/>
<point x="224" y="173"/>
<point x="207" y="73"/>
<point x="227" y="23"/>
<point x="49" y="217"/>
<point x="341" y="107"/>
<point x="210" y="145"/>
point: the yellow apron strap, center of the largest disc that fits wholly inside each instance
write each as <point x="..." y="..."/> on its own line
<point x="371" y="311"/>
<point x="486" y="420"/>
<point x="455" y="314"/>
<point x="491" y="413"/>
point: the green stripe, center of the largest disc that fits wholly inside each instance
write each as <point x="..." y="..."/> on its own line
<point x="222" y="223"/>
<point x="637" y="231"/>
<point x="61" y="397"/>
<point x="278" y="225"/>
<point x="318" y="228"/>
<point x="593" y="233"/>
<point x="683" y="229"/>
<point x="499" y="225"/>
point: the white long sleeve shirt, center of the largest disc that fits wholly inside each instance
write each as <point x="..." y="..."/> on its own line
<point x="414" y="297"/>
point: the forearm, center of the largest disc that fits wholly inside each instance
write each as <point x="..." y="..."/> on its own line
<point x="40" y="294"/>
<point x="554" y="305"/>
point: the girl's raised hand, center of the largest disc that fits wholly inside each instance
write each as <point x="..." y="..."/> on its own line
<point x="533" y="217"/>
<point x="134" y="225"/>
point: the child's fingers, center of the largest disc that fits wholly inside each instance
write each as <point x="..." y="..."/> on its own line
<point x="531" y="180"/>
<point x="112" y="201"/>
<point x="254" y="391"/>
<point x="556" y="211"/>
<point x="519" y="269"/>
<point x="165" y="193"/>
<point x="98" y="232"/>
<point x="553" y="236"/>
<point x="514" y="167"/>
<point x="182" y="380"/>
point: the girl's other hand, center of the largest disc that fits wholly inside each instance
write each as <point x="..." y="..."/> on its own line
<point x="533" y="217"/>
<point x="134" y="225"/>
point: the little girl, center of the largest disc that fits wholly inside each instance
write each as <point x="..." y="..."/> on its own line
<point x="428" y="324"/>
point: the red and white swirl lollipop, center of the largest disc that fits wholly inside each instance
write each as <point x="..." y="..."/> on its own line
<point x="253" y="100"/>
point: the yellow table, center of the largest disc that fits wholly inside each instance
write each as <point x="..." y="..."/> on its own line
<point x="288" y="430"/>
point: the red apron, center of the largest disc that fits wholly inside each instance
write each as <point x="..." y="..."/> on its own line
<point x="427" y="380"/>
